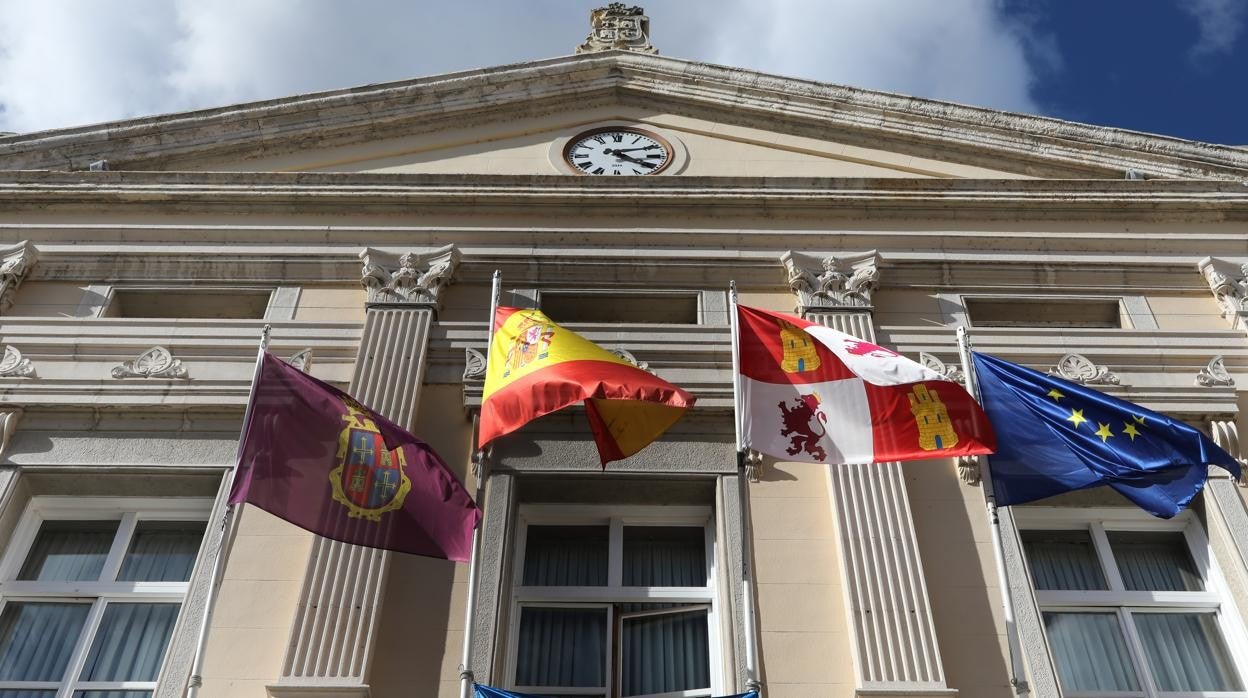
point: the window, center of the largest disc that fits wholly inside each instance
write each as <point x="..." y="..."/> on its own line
<point x="90" y="590"/>
<point x="189" y="303"/>
<point x="614" y="602"/>
<point x="1046" y="312"/>
<point x="1131" y="606"/>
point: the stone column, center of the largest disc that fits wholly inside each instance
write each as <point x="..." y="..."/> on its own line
<point x="1229" y="284"/>
<point x="336" y="621"/>
<point x="892" y="631"/>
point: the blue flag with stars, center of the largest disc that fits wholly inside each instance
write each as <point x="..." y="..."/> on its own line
<point x="1055" y="436"/>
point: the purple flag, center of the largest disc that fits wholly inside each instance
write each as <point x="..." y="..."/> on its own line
<point x="313" y="455"/>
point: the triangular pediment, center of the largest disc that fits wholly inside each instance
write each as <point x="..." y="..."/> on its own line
<point x="731" y="122"/>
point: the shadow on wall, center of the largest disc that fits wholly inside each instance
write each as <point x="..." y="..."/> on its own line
<point x="959" y="567"/>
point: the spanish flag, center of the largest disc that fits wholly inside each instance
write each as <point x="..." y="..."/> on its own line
<point x="537" y="367"/>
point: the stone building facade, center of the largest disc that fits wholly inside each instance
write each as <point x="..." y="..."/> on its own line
<point x="143" y="257"/>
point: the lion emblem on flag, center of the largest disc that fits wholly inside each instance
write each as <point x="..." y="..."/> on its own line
<point x="369" y="478"/>
<point x="804" y="424"/>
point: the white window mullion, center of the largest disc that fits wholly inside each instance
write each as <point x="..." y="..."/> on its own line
<point x="79" y="658"/>
<point x="121" y="543"/>
<point x="1100" y="541"/>
<point x="1135" y="644"/>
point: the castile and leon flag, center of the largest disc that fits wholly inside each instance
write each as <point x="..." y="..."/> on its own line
<point x="537" y="367"/>
<point x="813" y="394"/>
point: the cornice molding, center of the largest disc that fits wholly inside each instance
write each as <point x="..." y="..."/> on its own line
<point x="657" y="197"/>
<point x="1045" y="146"/>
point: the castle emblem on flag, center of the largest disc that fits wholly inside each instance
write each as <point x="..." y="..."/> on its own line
<point x="532" y="343"/>
<point x="800" y="355"/>
<point x="804" y="424"/>
<point x="369" y="478"/>
<point x="930" y="415"/>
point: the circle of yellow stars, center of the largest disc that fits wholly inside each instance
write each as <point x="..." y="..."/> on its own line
<point x="1076" y="418"/>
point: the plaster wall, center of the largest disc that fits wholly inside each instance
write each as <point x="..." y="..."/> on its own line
<point x="331" y="303"/>
<point x="255" y="607"/>
<point x="805" y="640"/>
<point x="47" y="299"/>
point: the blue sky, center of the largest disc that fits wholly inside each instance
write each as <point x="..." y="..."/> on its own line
<point x="1144" y="65"/>
<point x="1176" y="67"/>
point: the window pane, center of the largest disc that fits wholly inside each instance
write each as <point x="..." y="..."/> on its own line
<point x="130" y="642"/>
<point x="26" y="693"/>
<point x="1090" y="652"/>
<point x="1186" y="652"/>
<point x="69" y="551"/>
<point x="162" y="551"/>
<point x="1155" y="561"/>
<point x="112" y="694"/>
<point x="37" y="639"/>
<point x="665" y="653"/>
<point x="566" y="556"/>
<point x="664" y="556"/>
<point x="1062" y="560"/>
<point x="562" y="647"/>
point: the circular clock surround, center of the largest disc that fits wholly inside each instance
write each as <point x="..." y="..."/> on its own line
<point x="618" y="149"/>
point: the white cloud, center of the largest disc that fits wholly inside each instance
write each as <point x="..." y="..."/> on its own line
<point x="1220" y="23"/>
<point x="83" y="61"/>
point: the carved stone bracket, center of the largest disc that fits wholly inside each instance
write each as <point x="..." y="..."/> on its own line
<point x="16" y="262"/>
<point x="833" y="283"/>
<point x="968" y="469"/>
<point x="409" y="279"/>
<point x="13" y="365"/>
<point x="1229" y="286"/>
<point x="1214" y="374"/>
<point x="1226" y="436"/>
<point x="156" y="362"/>
<point x="1077" y="368"/>
<point x="302" y="360"/>
<point x="9" y="417"/>
<point x="952" y="371"/>
<point x="628" y="356"/>
<point x="753" y="465"/>
<point x="618" y="26"/>
<point x="474" y="365"/>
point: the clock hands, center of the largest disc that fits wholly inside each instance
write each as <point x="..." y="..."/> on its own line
<point x="612" y="151"/>
<point x="630" y="158"/>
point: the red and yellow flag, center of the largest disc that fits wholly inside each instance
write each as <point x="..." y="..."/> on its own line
<point x="537" y="367"/>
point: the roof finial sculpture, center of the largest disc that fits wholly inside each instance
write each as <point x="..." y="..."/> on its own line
<point x="618" y="26"/>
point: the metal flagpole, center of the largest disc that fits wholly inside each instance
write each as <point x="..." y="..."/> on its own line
<point x="227" y="533"/>
<point x="1017" y="678"/>
<point x="481" y="459"/>
<point x="747" y="595"/>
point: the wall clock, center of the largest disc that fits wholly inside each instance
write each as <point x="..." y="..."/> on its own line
<point x="618" y="150"/>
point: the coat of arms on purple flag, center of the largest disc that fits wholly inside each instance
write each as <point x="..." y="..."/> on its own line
<point x="316" y="457"/>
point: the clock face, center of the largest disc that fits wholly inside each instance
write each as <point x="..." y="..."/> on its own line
<point x="618" y="150"/>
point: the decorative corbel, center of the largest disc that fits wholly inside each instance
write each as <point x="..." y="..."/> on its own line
<point x="835" y="283"/>
<point x="9" y="417"/>
<point x="1229" y="287"/>
<point x="1077" y="368"/>
<point x="1226" y="436"/>
<point x="969" y="469"/>
<point x="1214" y="374"/>
<point x="13" y="365"/>
<point x="953" y="371"/>
<point x="474" y="365"/>
<point x="628" y="356"/>
<point x="302" y="360"/>
<point x="411" y="279"/>
<point x="156" y="362"/>
<point x="753" y="465"/>
<point x="16" y="261"/>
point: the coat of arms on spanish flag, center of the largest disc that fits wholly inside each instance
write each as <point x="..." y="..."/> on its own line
<point x="537" y="367"/>
<point x="814" y="394"/>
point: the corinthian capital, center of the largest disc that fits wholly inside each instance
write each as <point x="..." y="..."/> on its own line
<point x="1229" y="286"/>
<point x="835" y="283"/>
<point x="15" y="262"/>
<point x="410" y="278"/>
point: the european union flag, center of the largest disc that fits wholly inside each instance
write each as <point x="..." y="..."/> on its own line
<point x="488" y="692"/>
<point x="1054" y="436"/>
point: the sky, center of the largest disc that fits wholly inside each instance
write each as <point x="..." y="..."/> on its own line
<point x="1176" y="67"/>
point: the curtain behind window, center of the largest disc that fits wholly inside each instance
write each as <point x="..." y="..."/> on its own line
<point x="1063" y="560"/>
<point x="69" y="551"/>
<point x="566" y="556"/>
<point x="1090" y="651"/>
<point x="664" y="556"/>
<point x="37" y="639"/>
<point x="562" y="647"/>
<point x="162" y="551"/>
<point x="1186" y="652"/>
<point x="664" y="653"/>
<point x="130" y="642"/>
<point x="1154" y="561"/>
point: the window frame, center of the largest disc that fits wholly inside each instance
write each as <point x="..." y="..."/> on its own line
<point x="616" y="517"/>
<point x="128" y="512"/>
<point x="1215" y="599"/>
